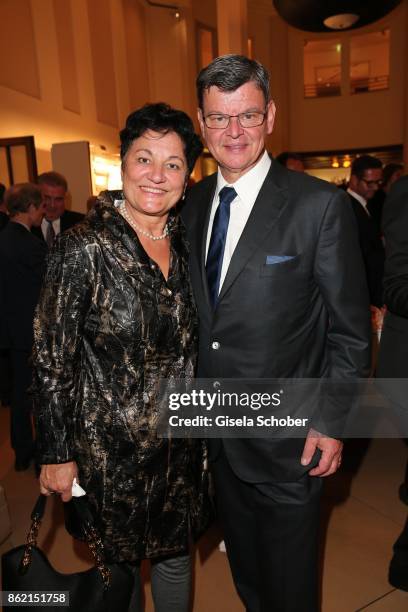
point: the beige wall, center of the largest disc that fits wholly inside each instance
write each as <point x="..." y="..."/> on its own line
<point x="349" y="121"/>
<point x="65" y="68"/>
<point x="71" y="70"/>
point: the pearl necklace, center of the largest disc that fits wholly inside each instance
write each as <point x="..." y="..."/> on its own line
<point x="124" y="212"/>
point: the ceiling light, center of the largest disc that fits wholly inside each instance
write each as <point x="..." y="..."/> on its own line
<point x="329" y="15"/>
<point x="341" y="21"/>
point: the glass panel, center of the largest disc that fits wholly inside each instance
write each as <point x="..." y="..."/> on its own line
<point x="19" y="164"/>
<point x="370" y="62"/>
<point x="4" y="177"/>
<point x="322" y="68"/>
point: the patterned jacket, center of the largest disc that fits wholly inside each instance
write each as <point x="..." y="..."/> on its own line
<point x="109" y="326"/>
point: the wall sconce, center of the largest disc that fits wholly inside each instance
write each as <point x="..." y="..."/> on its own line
<point x="335" y="163"/>
<point x="346" y="161"/>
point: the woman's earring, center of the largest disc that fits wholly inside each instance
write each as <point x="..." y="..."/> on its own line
<point x="183" y="197"/>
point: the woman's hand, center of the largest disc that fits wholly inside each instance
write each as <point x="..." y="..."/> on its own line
<point x="58" y="478"/>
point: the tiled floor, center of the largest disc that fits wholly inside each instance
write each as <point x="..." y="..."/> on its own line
<point x="361" y="518"/>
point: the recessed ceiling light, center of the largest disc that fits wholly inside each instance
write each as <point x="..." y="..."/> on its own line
<point x="341" y="21"/>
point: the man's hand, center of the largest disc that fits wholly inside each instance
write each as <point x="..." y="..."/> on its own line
<point x="331" y="449"/>
<point x="58" y="478"/>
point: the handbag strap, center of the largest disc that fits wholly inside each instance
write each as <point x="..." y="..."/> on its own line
<point x="92" y="536"/>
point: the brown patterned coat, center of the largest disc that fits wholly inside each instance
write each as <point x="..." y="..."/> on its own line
<point x="108" y="327"/>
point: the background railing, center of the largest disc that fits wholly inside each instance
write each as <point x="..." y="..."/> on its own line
<point x="357" y="85"/>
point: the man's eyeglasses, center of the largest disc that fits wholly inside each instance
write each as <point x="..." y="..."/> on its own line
<point x="371" y="184"/>
<point x="218" y="121"/>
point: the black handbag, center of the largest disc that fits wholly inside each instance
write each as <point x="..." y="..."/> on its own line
<point x="103" y="588"/>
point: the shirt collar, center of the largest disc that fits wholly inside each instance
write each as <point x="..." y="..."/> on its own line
<point x="358" y="197"/>
<point x="248" y="185"/>
<point x="23" y="224"/>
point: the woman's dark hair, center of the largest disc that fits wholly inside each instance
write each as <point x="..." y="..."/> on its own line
<point x="228" y="72"/>
<point x="161" y="117"/>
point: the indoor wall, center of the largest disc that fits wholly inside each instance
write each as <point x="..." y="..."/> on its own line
<point x="71" y="70"/>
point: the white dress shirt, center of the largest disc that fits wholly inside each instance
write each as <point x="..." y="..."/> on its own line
<point x="56" y="224"/>
<point x="247" y="188"/>
<point x="360" y="198"/>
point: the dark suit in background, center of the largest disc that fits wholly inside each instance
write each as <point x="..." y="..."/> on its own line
<point x="393" y="355"/>
<point x="372" y="250"/>
<point x="4" y="219"/>
<point x="68" y="219"/>
<point x="305" y="316"/>
<point x="5" y="374"/>
<point x="22" y="263"/>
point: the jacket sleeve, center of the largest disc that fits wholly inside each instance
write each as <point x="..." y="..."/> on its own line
<point x="340" y="274"/>
<point x="58" y="336"/>
<point x="395" y="226"/>
<point x="339" y="271"/>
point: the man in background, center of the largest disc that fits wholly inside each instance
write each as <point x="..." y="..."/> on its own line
<point x="365" y="180"/>
<point x="57" y="219"/>
<point x="22" y="263"/>
<point x="291" y="161"/>
<point x="4" y="218"/>
<point x="393" y="354"/>
<point x="391" y="173"/>
<point x="5" y="374"/>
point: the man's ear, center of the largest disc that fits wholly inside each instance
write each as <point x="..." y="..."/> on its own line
<point x="270" y="116"/>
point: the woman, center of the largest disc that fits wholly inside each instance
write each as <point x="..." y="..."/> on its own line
<point x="115" y="316"/>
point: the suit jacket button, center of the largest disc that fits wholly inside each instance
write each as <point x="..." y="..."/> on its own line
<point x="215" y="345"/>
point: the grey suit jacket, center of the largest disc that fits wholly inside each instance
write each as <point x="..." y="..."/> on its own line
<point x="294" y="303"/>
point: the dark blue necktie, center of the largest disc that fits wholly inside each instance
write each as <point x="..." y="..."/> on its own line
<point x="216" y="248"/>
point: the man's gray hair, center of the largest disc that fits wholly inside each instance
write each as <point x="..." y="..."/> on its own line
<point x="228" y="72"/>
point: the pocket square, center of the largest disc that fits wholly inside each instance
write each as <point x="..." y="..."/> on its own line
<point x="274" y="259"/>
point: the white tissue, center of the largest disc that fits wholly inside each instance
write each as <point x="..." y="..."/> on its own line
<point x="77" y="491"/>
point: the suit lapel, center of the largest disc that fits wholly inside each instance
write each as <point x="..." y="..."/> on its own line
<point x="268" y="206"/>
<point x="201" y="229"/>
<point x="62" y="222"/>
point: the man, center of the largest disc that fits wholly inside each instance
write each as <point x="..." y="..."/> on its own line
<point x="365" y="180"/>
<point x="391" y="173"/>
<point x="54" y="188"/>
<point x="3" y="211"/>
<point x="393" y="355"/>
<point x="291" y="161"/>
<point x="281" y="293"/>
<point x="22" y="258"/>
<point x="5" y="375"/>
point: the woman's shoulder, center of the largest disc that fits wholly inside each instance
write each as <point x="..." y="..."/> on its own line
<point x="90" y="229"/>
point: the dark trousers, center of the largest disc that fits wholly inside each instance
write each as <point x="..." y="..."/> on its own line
<point x="271" y="537"/>
<point x="22" y="439"/>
